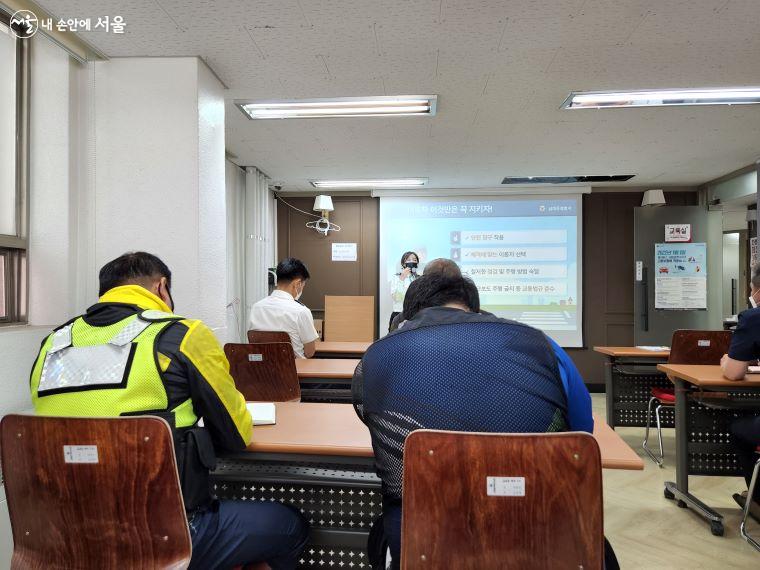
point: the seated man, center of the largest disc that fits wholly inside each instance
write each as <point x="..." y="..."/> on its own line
<point x="282" y="311"/>
<point x="440" y="265"/>
<point x="451" y="368"/>
<point x="745" y="350"/>
<point x="176" y="370"/>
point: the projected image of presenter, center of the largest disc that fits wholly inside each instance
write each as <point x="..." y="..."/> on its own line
<point x="400" y="281"/>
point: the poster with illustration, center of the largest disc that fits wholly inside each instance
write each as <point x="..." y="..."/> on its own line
<point x="680" y="276"/>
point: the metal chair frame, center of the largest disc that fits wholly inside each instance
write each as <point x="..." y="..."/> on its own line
<point x="659" y="460"/>
<point x="745" y="514"/>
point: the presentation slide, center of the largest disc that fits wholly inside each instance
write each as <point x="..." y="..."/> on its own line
<point x="522" y="253"/>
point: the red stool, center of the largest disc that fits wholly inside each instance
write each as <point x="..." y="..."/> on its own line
<point x="663" y="397"/>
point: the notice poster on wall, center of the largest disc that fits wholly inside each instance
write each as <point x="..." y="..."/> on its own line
<point x="344" y="252"/>
<point x="680" y="276"/>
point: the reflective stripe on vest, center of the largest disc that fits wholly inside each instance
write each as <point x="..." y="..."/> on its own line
<point x="83" y="370"/>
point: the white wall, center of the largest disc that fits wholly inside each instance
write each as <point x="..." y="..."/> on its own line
<point x="212" y="218"/>
<point x="18" y="349"/>
<point x="235" y="189"/>
<point x="734" y="220"/>
<point x="52" y="235"/>
<point x="126" y="154"/>
<point x="159" y="174"/>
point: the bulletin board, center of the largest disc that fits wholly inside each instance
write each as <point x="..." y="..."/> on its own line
<point x="681" y="276"/>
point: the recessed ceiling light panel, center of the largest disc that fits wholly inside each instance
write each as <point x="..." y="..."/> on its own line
<point x="661" y="98"/>
<point x="565" y="179"/>
<point x="398" y="106"/>
<point x="376" y="183"/>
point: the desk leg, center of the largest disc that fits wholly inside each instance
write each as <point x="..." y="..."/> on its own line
<point x="609" y="393"/>
<point x="680" y="489"/>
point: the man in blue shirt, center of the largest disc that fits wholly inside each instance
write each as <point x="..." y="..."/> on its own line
<point x="745" y="350"/>
<point x="452" y="368"/>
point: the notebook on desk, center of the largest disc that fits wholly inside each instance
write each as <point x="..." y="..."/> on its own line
<point x="263" y="413"/>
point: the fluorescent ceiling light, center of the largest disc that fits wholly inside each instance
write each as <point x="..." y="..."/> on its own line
<point x="565" y="179"/>
<point x="661" y="97"/>
<point x="379" y="183"/>
<point x="400" y="106"/>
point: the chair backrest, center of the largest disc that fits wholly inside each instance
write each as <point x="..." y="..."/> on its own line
<point x="698" y="347"/>
<point x="93" y="493"/>
<point x="349" y="318"/>
<point x="268" y="336"/>
<point x="264" y="372"/>
<point x="502" y="501"/>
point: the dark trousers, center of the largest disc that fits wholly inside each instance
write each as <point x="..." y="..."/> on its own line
<point x="746" y="436"/>
<point x="392" y="527"/>
<point x="232" y="533"/>
<point x="394" y="314"/>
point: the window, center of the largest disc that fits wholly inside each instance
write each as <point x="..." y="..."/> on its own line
<point x="14" y="173"/>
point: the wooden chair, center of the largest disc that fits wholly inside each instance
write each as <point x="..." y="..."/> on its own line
<point x="543" y="511"/>
<point x="93" y="493"/>
<point x="686" y="347"/>
<point x="698" y="347"/>
<point x="264" y="372"/>
<point x="268" y="336"/>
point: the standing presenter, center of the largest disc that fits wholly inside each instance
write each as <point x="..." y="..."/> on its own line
<point x="400" y="281"/>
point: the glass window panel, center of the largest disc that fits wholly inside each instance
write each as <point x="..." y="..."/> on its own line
<point x="22" y="288"/>
<point x="3" y="286"/>
<point x="7" y="132"/>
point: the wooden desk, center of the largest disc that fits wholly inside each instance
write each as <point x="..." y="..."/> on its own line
<point x="325" y="379"/>
<point x="319" y="459"/>
<point x="630" y="373"/>
<point x="341" y="349"/>
<point x="616" y="453"/>
<point x="703" y="442"/>
<point x="329" y="368"/>
<point x="314" y="429"/>
<point x="707" y="376"/>
<point x="335" y="429"/>
<point x="631" y="352"/>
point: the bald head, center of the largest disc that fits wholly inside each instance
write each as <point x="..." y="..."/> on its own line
<point x="442" y="266"/>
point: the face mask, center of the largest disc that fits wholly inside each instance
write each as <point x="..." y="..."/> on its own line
<point x="171" y="301"/>
<point x="411" y="265"/>
<point x="169" y="294"/>
<point x="752" y="302"/>
<point x="298" y="295"/>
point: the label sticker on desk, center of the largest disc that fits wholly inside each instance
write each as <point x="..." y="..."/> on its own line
<point x="80" y="453"/>
<point x="255" y="357"/>
<point x="505" y="486"/>
<point x="703" y="342"/>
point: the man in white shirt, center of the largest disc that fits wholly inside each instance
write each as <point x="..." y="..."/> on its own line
<point x="281" y="311"/>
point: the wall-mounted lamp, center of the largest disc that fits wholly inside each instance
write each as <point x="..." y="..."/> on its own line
<point x="653" y="198"/>
<point x="323" y="204"/>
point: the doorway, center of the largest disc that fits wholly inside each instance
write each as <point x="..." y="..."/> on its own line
<point x="735" y="265"/>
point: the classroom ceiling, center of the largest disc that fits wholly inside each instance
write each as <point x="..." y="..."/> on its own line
<point x="501" y="70"/>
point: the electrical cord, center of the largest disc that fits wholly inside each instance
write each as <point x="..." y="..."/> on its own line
<point x="296" y="209"/>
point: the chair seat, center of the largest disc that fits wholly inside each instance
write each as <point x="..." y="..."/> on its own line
<point x="665" y="395"/>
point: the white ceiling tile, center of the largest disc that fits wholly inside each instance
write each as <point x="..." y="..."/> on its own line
<point x="501" y="70"/>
